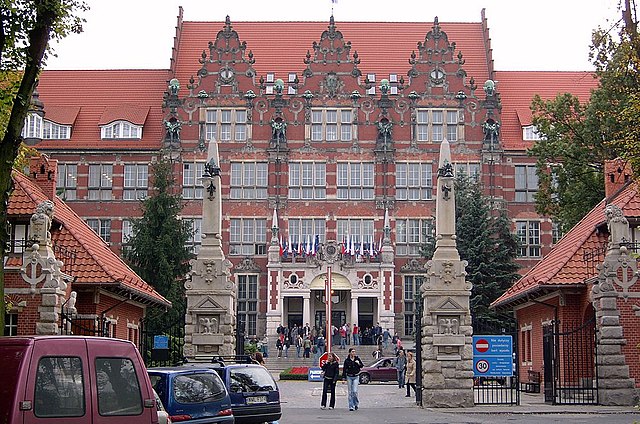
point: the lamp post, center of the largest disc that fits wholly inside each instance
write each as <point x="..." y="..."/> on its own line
<point x="418" y="331"/>
<point x="327" y="297"/>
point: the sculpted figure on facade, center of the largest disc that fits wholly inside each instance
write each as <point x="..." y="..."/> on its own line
<point x="618" y="225"/>
<point x="209" y="325"/>
<point x="41" y="223"/>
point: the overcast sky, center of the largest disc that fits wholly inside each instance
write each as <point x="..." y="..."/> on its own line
<point x="530" y="35"/>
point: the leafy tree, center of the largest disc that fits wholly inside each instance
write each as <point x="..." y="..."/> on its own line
<point x="158" y="251"/>
<point x="26" y="27"/>
<point x="578" y="138"/>
<point x="485" y="241"/>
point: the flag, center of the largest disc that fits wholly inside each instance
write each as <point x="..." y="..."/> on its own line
<point x="371" y="248"/>
<point x="289" y="248"/>
<point x="362" y="246"/>
<point x="281" y="246"/>
<point x="300" y="252"/>
<point x="380" y="245"/>
<point x="307" y="251"/>
<point x="352" y="248"/>
<point x="316" y="244"/>
<point x="344" y="245"/>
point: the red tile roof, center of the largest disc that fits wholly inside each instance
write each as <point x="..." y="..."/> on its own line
<point x="134" y="114"/>
<point x="280" y="47"/>
<point x="565" y="264"/>
<point x="517" y="90"/>
<point x="98" y="91"/>
<point x="94" y="263"/>
<point x="63" y="115"/>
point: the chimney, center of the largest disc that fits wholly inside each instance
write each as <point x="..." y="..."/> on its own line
<point x="44" y="172"/>
<point x="617" y="173"/>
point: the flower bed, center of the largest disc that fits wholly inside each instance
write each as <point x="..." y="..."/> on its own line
<point x="295" y="373"/>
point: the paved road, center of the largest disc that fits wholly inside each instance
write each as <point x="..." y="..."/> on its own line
<point x="385" y="403"/>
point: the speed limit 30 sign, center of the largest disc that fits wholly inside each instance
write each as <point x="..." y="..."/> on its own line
<point x="482" y="366"/>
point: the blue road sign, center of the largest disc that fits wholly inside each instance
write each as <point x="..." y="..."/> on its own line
<point x="492" y="356"/>
<point x="315" y="374"/>
<point x="161" y="342"/>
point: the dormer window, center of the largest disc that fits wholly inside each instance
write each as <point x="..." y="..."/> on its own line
<point x="53" y="131"/>
<point x="530" y="132"/>
<point x="121" y="129"/>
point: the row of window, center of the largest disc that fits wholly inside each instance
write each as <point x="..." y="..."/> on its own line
<point x="226" y="125"/>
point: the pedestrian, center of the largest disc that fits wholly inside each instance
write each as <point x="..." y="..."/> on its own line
<point x="348" y="329"/>
<point x="401" y="367"/>
<point x="331" y="375"/>
<point x="350" y="370"/>
<point x="411" y="374"/>
<point x="356" y="335"/>
<point x="307" y="346"/>
<point x="385" y="338"/>
<point x="299" y="342"/>
<point x="279" y="347"/>
<point x="343" y="337"/>
<point x="259" y="359"/>
<point x="287" y="345"/>
<point x="377" y="354"/>
<point x="265" y="345"/>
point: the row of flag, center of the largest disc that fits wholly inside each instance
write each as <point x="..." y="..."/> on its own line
<point x="309" y="247"/>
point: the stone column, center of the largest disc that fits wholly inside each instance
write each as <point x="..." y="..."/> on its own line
<point x="306" y="308"/>
<point x="354" y="309"/>
<point x="615" y="387"/>
<point x="447" y="354"/>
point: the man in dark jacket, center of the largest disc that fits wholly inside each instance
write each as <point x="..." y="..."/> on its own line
<point x="350" y="370"/>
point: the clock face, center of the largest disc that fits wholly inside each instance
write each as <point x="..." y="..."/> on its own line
<point x="437" y="74"/>
<point x="226" y="74"/>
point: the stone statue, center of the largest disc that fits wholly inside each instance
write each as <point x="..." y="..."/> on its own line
<point x="71" y="303"/>
<point x="41" y="223"/>
<point x="618" y="225"/>
<point x="491" y="130"/>
<point x="385" y="129"/>
<point x="489" y="87"/>
<point x="278" y="130"/>
<point x="448" y="325"/>
<point x="211" y="169"/>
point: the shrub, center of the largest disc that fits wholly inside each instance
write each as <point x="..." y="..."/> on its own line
<point x="295" y="373"/>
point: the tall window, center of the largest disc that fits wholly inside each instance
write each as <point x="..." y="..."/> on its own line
<point x="469" y="170"/>
<point x="136" y="181"/>
<point x="332" y="125"/>
<point x="434" y="124"/>
<point x="10" y="324"/>
<point x="248" y="303"/>
<point x="100" y="179"/>
<point x="412" y="285"/>
<point x="411" y="234"/>
<point x="248" y="236"/>
<point x="248" y="180"/>
<point x="192" y="180"/>
<point x="414" y="181"/>
<point x="102" y="227"/>
<point x="357" y="230"/>
<point x="526" y="344"/>
<point x="53" y="131"/>
<point x="528" y="233"/>
<point x="307" y="180"/>
<point x="195" y="241"/>
<point x="526" y="183"/>
<point x="226" y="124"/>
<point x="355" y="181"/>
<point x="127" y="233"/>
<point x="67" y="181"/>
<point x="121" y="129"/>
<point x="32" y="126"/>
<point x="303" y="230"/>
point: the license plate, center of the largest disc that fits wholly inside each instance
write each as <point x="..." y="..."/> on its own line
<point x="256" y="399"/>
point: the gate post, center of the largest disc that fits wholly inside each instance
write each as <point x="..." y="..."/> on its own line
<point x="418" y="330"/>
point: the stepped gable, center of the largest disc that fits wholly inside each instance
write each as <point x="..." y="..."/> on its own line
<point x="565" y="265"/>
<point x="437" y="69"/>
<point x="85" y="255"/>
<point x="223" y="63"/>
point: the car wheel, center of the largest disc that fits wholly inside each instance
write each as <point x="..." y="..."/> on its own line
<point x="365" y="378"/>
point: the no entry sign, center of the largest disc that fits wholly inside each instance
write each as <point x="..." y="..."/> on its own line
<point x="481" y="345"/>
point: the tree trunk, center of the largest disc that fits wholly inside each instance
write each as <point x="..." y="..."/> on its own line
<point x="47" y="12"/>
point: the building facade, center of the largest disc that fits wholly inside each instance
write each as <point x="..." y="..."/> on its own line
<point x="328" y="140"/>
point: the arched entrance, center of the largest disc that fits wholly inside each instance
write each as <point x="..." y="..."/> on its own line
<point x="340" y="300"/>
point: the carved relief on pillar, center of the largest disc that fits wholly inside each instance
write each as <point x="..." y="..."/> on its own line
<point x="368" y="282"/>
<point x="208" y="324"/>
<point x="449" y="273"/>
<point x="293" y="282"/>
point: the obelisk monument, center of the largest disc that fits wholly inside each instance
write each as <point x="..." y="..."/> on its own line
<point x="211" y="294"/>
<point x="447" y="354"/>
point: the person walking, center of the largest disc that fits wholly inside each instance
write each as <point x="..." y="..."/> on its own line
<point x="307" y="346"/>
<point x="411" y="374"/>
<point x="299" y="342"/>
<point x="350" y="370"/>
<point x="279" y="346"/>
<point x="331" y="375"/>
<point x="356" y="335"/>
<point x="401" y="367"/>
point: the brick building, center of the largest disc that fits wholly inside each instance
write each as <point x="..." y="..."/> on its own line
<point x="97" y="293"/>
<point x="332" y="126"/>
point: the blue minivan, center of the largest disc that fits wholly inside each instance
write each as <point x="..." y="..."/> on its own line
<point x="193" y="396"/>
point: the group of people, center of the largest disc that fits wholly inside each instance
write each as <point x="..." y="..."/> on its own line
<point x="331" y="374"/>
<point x="406" y="368"/>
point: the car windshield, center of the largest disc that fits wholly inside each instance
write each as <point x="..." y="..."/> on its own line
<point x="251" y="379"/>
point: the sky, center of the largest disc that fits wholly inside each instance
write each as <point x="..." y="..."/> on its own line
<point x="542" y="35"/>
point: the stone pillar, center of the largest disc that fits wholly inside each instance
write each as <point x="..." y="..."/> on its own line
<point x="211" y="292"/>
<point x="41" y="271"/>
<point x="447" y="354"/>
<point x="354" y="309"/>
<point x="615" y="387"/>
<point x="306" y="308"/>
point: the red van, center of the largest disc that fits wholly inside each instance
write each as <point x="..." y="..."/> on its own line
<point x="73" y="380"/>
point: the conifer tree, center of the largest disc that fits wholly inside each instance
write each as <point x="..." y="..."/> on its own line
<point x="158" y="250"/>
<point x="485" y="241"/>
